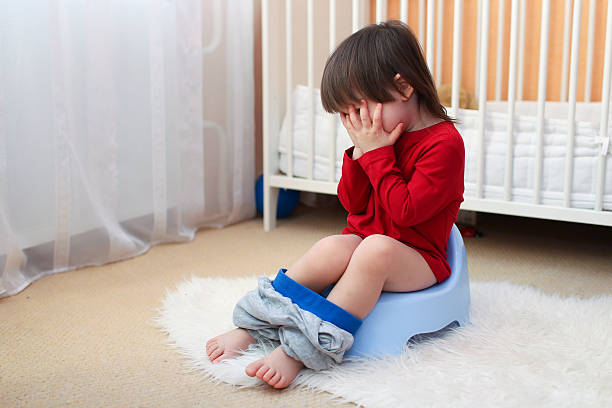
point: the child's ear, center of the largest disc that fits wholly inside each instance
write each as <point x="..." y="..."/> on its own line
<point x="403" y="87"/>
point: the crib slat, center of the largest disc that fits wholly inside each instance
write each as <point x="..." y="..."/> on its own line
<point x="289" y="83"/>
<point x="355" y="9"/>
<point x="482" y="99"/>
<point x="521" y="56"/>
<point x="478" y="45"/>
<point x="310" y="89"/>
<point x="456" y="80"/>
<point x="589" y="61"/>
<point x="404" y="11"/>
<point x="381" y="11"/>
<point x="332" y="118"/>
<point x="511" y="99"/>
<point x="605" y="110"/>
<point x="501" y="8"/>
<point x="573" y="85"/>
<point x="269" y="140"/>
<point x="543" y="71"/>
<point x="421" y="21"/>
<point x="430" y="35"/>
<point x="439" y="41"/>
<point x="566" y="33"/>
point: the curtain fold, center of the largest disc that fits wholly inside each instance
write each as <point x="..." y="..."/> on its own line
<point x="122" y="125"/>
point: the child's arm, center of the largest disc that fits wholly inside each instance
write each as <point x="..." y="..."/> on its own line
<point x="354" y="188"/>
<point x="437" y="180"/>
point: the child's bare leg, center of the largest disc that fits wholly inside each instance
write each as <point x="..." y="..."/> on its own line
<point x="227" y="344"/>
<point x="325" y="262"/>
<point x="320" y="266"/>
<point x="379" y="263"/>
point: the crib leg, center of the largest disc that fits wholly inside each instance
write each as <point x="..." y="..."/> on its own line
<point x="270" y="204"/>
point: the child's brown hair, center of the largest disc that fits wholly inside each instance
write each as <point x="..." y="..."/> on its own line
<point x="365" y="64"/>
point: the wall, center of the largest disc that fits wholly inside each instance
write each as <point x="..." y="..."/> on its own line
<point x="299" y="43"/>
<point x="532" y="44"/>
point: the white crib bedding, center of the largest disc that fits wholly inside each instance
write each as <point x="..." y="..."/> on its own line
<point x="588" y="146"/>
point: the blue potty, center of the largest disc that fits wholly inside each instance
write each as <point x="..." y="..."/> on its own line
<point x="397" y="317"/>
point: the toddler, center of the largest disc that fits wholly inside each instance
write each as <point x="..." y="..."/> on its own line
<point x="402" y="185"/>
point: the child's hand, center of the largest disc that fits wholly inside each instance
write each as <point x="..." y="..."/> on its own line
<point x="368" y="134"/>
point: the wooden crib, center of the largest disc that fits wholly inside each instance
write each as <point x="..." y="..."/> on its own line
<point x="537" y="139"/>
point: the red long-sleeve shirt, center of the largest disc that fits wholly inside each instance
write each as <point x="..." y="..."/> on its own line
<point x="410" y="191"/>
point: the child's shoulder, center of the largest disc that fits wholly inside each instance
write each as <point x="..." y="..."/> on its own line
<point x="445" y="134"/>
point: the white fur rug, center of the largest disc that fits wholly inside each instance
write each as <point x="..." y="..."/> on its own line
<point x="522" y="348"/>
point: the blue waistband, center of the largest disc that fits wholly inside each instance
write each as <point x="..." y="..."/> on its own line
<point x="316" y="304"/>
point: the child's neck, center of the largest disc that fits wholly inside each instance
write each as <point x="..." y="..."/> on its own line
<point x="421" y="118"/>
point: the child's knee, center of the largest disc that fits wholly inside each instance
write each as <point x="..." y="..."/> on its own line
<point x="379" y="246"/>
<point x="335" y="246"/>
<point x="374" y="252"/>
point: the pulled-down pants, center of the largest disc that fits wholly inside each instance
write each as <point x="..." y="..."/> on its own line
<point x="310" y="328"/>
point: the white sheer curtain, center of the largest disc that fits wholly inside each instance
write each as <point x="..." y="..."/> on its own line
<point x="123" y="124"/>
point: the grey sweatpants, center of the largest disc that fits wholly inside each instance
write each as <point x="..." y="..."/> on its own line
<point x="303" y="335"/>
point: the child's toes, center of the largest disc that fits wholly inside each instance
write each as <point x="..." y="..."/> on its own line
<point x="210" y="348"/>
<point x="274" y="380"/>
<point x="282" y="383"/>
<point x="214" y="354"/>
<point x="268" y="375"/>
<point x="252" y="368"/>
<point x="262" y="371"/>
<point x="211" y="345"/>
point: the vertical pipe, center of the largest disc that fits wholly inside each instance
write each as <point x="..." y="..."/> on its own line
<point x="332" y="118"/>
<point x="270" y="194"/>
<point x="501" y="5"/>
<point x="589" y="59"/>
<point x="566" y="31"/>
<point x="439" y="42"/>
<point x="310" y="40"/>
<point x="569" y="153"/>
<point x="421" y="21"/>
<point x="511" y="99"/>
<point x="542" y="78"/>
<point x="265" y="110"/>
<point x="478" y="45"/>
<point x="456" y="80"/>
<point x="605" y="107"/>
<point x="521" y="56"/>
<point x="430" y="35"/>
<point x="355" y="15"/>
<point x="289" y="83"/>
<point x="482" y="100"/>
<point x="404" y="11"/>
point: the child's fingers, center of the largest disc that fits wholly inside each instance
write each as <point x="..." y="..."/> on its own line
<point x="354" y="117"/>
<point x="364" y="113"/>
<point x="396" y="133"/>
<point x="345" y="121"/>
<point x="377" y="117"/>
<point x="348" y="126"/>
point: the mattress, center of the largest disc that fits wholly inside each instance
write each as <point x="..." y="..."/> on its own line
<point x="588" y="146"/>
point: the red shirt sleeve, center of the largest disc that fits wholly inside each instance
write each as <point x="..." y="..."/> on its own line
<point x="354" y="188"/>
<point x="432" y="186"/>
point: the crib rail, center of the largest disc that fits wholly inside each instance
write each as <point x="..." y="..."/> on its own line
<point x="279" y="54"/>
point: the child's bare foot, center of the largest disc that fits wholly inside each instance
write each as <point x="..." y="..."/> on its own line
<point x="277" y="368"/>
<point x="227" y="344"/>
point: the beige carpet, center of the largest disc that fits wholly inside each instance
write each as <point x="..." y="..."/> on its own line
<point x="84" y="338"/>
